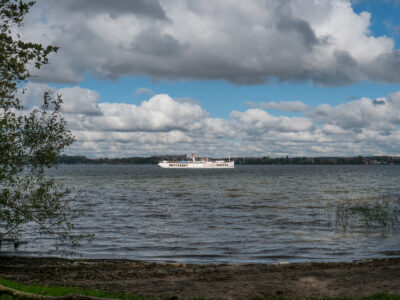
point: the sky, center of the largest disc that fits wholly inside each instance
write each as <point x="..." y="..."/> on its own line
<point x="249" y="78"/>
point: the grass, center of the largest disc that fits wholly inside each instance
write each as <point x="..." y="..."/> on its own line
<point x="60" y="291"/>
<point x="374" y="297"/>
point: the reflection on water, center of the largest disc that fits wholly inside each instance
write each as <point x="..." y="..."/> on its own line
<point x="250" y="213"/>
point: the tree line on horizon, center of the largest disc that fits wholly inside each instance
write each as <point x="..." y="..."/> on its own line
<point x="265" y="160"/>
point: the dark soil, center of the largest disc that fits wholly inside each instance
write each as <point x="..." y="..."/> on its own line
<point x="226" y="281"/>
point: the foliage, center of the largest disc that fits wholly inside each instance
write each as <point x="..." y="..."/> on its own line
<point x="29" y="141"/>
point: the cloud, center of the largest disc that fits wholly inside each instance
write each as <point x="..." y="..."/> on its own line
<point x="162" y="125"/>
<point x="285" y="106"/>
<point x="379" y="102"/>
<point x="245" y="43"/>
<point x="147" y="8"/>
<point x="187" y="100"/>
<point x="161" y="113"/>
<point x="80" y="101"/>
<point x="32" y="94"/>
<point x="151" y="42"/>
<point x="299" y="29"/>
<point x="76" y="100"/>
<point x="380" y="115"/>
<point x="144" y="91"/>
<point x="392" y="28"/>
<point x="256" y="120"/>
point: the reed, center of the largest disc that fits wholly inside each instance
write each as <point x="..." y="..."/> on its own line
<point x="368" y="213"/>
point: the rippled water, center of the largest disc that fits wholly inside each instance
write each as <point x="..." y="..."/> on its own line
<point x="248" y="214"/>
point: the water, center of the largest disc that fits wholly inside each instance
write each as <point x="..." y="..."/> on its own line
<point x="248" y="214"/>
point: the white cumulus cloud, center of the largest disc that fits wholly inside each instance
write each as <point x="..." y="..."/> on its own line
<point x="163" y="125"/>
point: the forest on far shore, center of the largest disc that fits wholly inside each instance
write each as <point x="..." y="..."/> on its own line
<point x="265" y="160"/>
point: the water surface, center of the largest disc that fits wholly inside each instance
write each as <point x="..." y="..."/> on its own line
<point x="249" y="214"/>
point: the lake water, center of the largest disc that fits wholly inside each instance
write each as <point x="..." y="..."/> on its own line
<point x="264" y="213"/>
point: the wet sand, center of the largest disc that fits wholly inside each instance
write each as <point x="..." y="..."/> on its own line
<point x="225" y="281"/>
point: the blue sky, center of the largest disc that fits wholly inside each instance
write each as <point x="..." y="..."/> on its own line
<point x="226" y="96"/>
<point x="220" y="66"/>
<point x="385" y="17"/>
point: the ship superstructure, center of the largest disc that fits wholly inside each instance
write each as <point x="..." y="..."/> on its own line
<point x="204" y="163"/>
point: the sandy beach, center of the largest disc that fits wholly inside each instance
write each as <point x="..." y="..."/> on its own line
<point x="224" y="281"/>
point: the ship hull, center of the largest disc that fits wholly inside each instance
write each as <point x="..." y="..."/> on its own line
<point x="197" y="165"/>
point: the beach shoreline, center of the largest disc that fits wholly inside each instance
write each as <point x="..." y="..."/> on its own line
<point x="217" y="281"/>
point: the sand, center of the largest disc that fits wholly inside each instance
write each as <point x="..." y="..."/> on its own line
<point x="225" y="281"/>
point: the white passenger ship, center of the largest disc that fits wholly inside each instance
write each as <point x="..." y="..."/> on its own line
<point x="198" y="164"/>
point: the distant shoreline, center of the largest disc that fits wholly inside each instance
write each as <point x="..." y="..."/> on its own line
<point x="138" y="160"/>
<point x="218" y="281"/>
